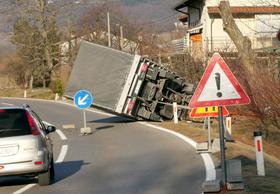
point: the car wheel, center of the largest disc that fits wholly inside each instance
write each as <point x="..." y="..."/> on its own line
<point x="45" y="178"/>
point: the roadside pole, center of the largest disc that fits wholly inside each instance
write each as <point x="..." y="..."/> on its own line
<point x="85" y="120"/>
<point x="175" y="112"/>
<point x="228" y="129"/>
<point x="259" y="153"/>
<point x="204" y="122"/>
<point x="209" y="133"/>
<point x="56" y="97"/>
<point x="109" y="29"/>
<point x="222" y="146"/>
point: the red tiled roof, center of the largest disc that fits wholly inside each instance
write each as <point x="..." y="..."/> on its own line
<point x="250" y="10"/>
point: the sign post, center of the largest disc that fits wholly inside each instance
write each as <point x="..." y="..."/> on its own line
<point x="207" y="113"/>
<point x="83" y="99"/>
<point x="209" y="133"/>
<point x="219" y="87"/>
<point x="222" y="144"/>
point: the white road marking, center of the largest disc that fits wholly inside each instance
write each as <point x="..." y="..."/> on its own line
<point x="62" y="154"/>
<point x="60" y="159"/>
<point x="61" y="135"/>
<point x="210" y="167"/>
<point x="7" y="104"/>
<point x="70" y="126"/>
<point x="208" y="162"/>
<point x="23" y="189"/>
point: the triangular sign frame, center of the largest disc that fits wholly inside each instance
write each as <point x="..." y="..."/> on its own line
<point x="197" y="113"/>
<point x="235" y="95"/>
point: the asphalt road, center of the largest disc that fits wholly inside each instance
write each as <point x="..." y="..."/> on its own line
<point x="121" y="157"/>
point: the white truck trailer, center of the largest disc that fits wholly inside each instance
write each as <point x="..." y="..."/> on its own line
<point x="127" y="84"/>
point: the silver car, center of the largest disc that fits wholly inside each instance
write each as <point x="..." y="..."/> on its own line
<point x="25" y="147"/>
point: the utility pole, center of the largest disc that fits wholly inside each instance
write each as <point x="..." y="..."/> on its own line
<point x="109" y="30"/>
<point x="121" y="38"/>
<point x="159" y="56"/>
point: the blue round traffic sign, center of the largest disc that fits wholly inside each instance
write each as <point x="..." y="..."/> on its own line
<point x="83" y="99"/>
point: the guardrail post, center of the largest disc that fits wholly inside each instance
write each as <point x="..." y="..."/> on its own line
<point x="228" y="129"/>
<point x="175" y="112"/>
<point x="259" y="153"/>
<point x="56" y="97"/>
<point x="25" y="94"/>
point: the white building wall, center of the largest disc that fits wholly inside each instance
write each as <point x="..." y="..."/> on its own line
<point x="215" y="38"/>
<point x="219" y="39"/>
<point x="245" y="2"/>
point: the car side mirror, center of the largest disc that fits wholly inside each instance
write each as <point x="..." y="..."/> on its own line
<point x="51" y="128"/>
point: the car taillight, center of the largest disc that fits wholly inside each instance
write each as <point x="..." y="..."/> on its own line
<point x="130" y="106"/>
<point x="38" y="162"/>
<point x="2" y="111"/>
<point x="34" y="129"/>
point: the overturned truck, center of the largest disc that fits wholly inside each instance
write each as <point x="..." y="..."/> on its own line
<point x="128" y="84"/>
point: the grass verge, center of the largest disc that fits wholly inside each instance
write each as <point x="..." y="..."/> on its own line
<point x="240" y="149"/>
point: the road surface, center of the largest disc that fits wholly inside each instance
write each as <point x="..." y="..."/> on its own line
<point x="121" y="157"/>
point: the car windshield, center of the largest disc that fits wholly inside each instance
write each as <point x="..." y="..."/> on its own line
<point x="13" y="122"/>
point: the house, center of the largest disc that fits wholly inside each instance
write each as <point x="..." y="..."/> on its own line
<point x="257" y="19"/>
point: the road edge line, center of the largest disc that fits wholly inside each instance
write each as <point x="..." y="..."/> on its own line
<point x="208" y="162"/>
<point x="62" y="154"/>
<point x="25" y="188"/>
<point x="61" y="134"/>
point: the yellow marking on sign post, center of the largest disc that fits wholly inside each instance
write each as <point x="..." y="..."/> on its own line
<point x="211" y="111"/>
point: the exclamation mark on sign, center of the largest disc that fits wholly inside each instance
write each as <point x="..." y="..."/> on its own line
<point x="218" y="84"/>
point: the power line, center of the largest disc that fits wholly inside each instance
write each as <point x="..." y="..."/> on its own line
<point x="160" y="20"/>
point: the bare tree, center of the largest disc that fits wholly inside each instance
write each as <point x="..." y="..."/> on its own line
<point x="262" y="88"/>
<point x="37" y="38"/>
<point x="242" y="43"/>
<point x="94" y="27"/>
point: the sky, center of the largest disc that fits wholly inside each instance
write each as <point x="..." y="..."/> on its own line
<point x="154" y="12"/>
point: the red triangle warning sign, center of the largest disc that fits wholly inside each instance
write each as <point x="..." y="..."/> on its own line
<point x="218" y="86"/>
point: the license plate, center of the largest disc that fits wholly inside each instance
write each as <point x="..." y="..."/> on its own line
<point x="8" y="151"/>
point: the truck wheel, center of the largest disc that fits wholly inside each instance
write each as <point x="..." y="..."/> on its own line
<point x="44" y="178"/>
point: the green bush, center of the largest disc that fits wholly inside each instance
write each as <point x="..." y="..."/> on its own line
<point x="58" y="87"/>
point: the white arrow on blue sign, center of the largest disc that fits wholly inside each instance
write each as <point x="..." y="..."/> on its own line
<point x="83" y="99"/>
